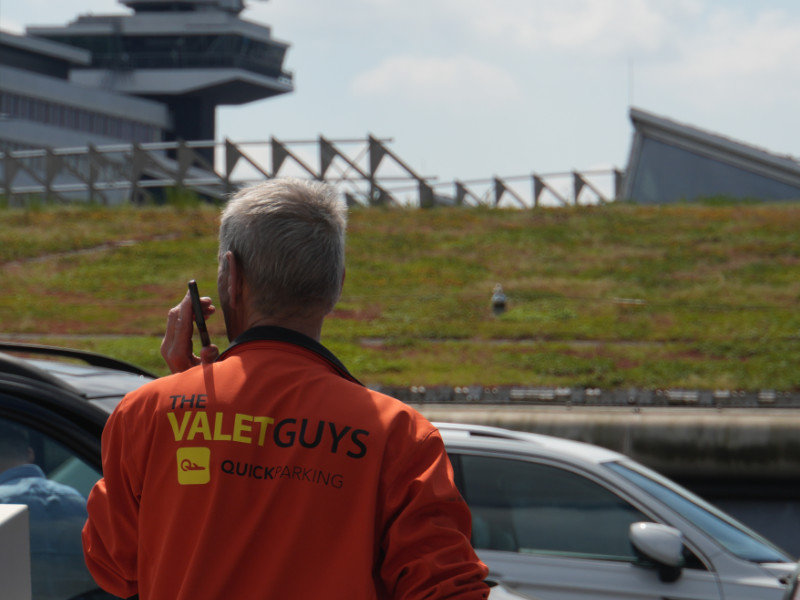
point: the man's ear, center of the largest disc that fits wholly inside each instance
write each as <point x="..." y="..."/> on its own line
<point x="235" y="280"/>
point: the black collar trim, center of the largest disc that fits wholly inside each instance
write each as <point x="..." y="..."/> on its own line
<point x="280" y="334"/>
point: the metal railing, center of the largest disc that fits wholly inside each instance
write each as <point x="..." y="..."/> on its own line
<point x="366" y="171"/>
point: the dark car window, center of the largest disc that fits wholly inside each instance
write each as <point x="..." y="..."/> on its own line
<point x="733" y="536"/>
<point x="527" y="507"/>
<point x="41" y="473"/>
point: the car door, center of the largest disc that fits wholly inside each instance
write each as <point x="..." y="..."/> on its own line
<point x="556" y="533"/>
<point x="47" y="463"/>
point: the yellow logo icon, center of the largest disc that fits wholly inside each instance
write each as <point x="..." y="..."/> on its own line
<point x="194" y="466"/>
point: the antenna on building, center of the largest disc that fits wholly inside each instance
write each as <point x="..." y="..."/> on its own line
<point x="630" y="81"/>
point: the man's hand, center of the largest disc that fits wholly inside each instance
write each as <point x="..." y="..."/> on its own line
<point x="176" y="347"/>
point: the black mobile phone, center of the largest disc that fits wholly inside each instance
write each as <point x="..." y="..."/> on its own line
<point x="197" y="308"/>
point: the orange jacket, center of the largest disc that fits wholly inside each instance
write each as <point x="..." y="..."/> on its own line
<point x="273" y="473"/>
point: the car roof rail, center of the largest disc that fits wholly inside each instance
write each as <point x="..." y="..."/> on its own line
<point x="91" y="358"/>
<point x="486" y="431"/>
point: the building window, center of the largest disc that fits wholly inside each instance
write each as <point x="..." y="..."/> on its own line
<point x="60" y="115"/>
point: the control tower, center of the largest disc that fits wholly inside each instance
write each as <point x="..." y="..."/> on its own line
<point x="190" y="55"/>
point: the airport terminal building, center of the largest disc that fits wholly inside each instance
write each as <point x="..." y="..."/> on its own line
<point x="157" y="74"/>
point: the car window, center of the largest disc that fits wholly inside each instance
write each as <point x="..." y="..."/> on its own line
<point x="526" y="507"/>
<point x="733" y="536"/>
<point x="38" y="471"/>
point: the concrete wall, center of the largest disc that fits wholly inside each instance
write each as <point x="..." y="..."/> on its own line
<point x="680" y="442"/>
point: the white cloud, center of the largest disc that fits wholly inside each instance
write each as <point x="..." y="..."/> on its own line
<point x="598" y="27"/>
<point x="455" y="81"/>
<point x="739" y="47"/>
<point x="735" y="60"/>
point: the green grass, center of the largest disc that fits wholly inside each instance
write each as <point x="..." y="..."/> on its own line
<point x="618" y="296"/>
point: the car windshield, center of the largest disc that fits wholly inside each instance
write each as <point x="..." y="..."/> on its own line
<point x="733" y="536"/>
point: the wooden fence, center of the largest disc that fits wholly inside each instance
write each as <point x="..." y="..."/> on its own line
<point x="367" y="171"/>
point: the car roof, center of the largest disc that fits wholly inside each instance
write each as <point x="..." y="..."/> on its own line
<point x="98" y="378"/>
<point x="95" y="383"/>
<point x="500" y="439"/>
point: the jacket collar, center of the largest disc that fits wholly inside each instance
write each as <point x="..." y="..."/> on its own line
<point x="280" y="334"/>
<point x="21" y="472"/>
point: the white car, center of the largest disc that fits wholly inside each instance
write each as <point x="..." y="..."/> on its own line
<point x="564" y="520"/>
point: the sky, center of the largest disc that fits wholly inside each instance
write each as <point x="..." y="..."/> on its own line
<point x="471" y="89"/>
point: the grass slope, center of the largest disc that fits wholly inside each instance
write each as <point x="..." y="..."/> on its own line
<point x="699" y="296"/>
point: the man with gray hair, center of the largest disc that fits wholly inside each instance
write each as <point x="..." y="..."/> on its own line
<point x="269" y="471"/>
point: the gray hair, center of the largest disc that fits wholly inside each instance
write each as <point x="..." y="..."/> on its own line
<point x="289" y="238"/>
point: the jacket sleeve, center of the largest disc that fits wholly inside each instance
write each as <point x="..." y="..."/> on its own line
<point x="110" y="539"/>
<point x="426" y="530"/>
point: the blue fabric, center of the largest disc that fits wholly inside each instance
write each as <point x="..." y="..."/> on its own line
<point x="57" y="514"/>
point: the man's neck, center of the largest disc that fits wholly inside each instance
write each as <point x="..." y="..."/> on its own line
<point x="309" y="327"/>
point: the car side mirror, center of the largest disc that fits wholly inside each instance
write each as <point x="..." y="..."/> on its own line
<point x="660" y="546"/>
